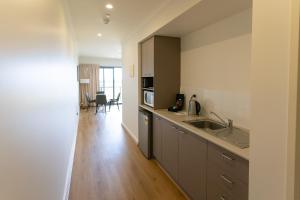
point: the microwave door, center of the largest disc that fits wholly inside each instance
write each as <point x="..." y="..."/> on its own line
<point x="148" y="98"/>
<point x="145" y="98"/>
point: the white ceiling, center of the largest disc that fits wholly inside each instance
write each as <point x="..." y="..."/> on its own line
<point x="126" y="17"/>
<point x="202" y="14"/>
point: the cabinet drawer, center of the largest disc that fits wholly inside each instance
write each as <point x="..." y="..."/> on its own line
<point x="217" y="193"/>
<point x="222" y="186"/>
<point x="230" y="163"/>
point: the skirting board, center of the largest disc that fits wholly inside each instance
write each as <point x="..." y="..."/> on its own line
<point x="127" y="130"/>
<point x="70" y="168"/>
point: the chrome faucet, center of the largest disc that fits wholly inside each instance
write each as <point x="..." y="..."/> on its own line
<point x="230" y="121"/>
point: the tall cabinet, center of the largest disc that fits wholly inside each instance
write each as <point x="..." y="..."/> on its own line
<point x="160" y="66"/>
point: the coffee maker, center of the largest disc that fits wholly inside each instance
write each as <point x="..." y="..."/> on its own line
<point x="179" y="103"/>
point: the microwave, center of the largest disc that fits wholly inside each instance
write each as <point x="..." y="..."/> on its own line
<point x="149" y="98"/>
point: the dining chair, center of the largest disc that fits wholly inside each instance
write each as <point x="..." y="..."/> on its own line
<point x="101" y="101"/>
<point x="89" y="100"/>
<point x="100" y="92"/>
<point x="113" y="101"/>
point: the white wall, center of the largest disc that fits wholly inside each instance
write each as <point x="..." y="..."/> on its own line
<point x="274" y="69"/>
<point x="130" y="57"/>
<point x="130" y="87"/>
<point x="39" y="100"/>
<point x="297" y="156"/>
<point x="100" y="61"/>
<point x="215" y="65"/>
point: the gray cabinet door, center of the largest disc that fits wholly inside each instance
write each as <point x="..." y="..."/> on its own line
<point x="157" y="138"/>
<point x="148" y="58"/>
<point x="170" y="149"/>
<point x="192" y="165"/>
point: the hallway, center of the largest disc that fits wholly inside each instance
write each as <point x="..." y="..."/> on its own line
<point x="108" y="164"/>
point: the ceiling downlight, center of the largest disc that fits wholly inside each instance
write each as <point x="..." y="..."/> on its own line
<point x="109" y="6"/>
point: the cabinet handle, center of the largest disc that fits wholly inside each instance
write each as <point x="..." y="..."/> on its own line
<point x="173" y="127"/>
<point x="182" y="132"/>
<point x="226" y="180"/>
<point x="146" y="120"/>
<point x="227" y="157"/>
<point x="222" y="198"/>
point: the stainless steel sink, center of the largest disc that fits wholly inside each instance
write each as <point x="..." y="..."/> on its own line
<point x="206" y="124"/>
<point x="233" y="135"/>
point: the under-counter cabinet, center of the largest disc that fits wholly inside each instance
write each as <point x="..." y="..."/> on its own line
<point x="227" y="175"/>
<point x="203" y="170"/>
<point x="170" y="142"/>
<point x="157" y="138"/>
<point x="183" y="155"/>
<point x="192" y="164"/>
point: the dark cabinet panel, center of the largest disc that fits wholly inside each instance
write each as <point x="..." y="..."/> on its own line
<point x="157" y="138"/>
<point x="170" y="149"/>
<point x="192" y="165"/>
<point x="148" y="58"/>
<point x="160" y="58"/>
<point x="166" y="71"/>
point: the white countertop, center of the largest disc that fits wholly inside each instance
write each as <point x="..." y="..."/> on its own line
<point x="178" y="118"/>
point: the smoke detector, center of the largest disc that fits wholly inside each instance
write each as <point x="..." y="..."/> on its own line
<point x="106" y="18"/>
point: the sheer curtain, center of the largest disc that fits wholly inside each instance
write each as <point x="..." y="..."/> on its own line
<point x="91" y="72"/>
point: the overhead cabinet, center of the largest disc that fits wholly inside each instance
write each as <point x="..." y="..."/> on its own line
<point x="148" y="58"/>
<point x="160" y="66"/>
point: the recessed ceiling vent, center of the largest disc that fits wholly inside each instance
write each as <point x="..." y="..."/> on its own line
<point x="106" y="18"/>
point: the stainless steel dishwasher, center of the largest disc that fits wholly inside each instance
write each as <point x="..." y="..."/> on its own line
<point x="145" y="132"/>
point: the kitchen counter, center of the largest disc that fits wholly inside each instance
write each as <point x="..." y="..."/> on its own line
<point x="178" y="118"/>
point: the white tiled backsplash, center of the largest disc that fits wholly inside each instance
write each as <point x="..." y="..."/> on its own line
<point x="228" y="104"/>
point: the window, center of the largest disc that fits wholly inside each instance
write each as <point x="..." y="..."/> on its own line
<point x="110" y="79"/>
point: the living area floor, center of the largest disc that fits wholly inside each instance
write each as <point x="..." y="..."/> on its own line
<point x="108" y="164"/>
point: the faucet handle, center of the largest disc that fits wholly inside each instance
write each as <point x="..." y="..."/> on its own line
<point x="230" y="123"/>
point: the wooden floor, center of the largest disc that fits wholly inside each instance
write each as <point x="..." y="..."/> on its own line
<point x="108" y="164"/>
